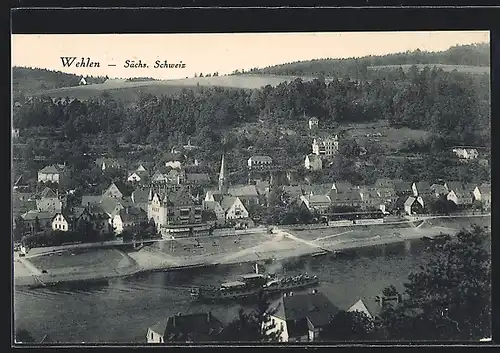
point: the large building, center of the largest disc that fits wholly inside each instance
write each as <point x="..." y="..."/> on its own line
<point x="56" y="173"/>
<point x="325" y="146"/>
<point x="175" y="211"/>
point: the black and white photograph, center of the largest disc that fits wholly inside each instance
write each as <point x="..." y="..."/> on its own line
<point x="243" y="188"/>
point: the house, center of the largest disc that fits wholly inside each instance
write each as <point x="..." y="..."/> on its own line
<point x="319" y="203"/>
<point x="438" y="190"/>
<point x="342" y="187"/>
<point x="460" y="197"/>
<point x="233" y="208"/>
<point x="292" y="192"/>
<point x="466" y="153"/>
<point x="259" y="162"/>
<point x="140" y="198"/>
<point x="174" y="164"/>
<point x="82" y="81"/>
<point x="111" y="205"/>
<point x="100" y="220"/>
<point x="44" y="220"/>
<point x="169" y="176"/>
<point x="217" y="209"/>
<point x="172" y="211"/>
<point x="189" y="146"/>
<point x="138" y="176"/>
<point x="105" y="163"/>
<point x="351" y="198"/>
<point x="414" y="205"/>
<point x="49" y="202"/>
<point x="325" y="146"/>
<point x="91" y="200"/>
<point x="317" y="189"/>
<point x="63" y="222"/>
<point x="372" y="307"/>
<point x="313" y="123"/>
<point x="483" y="193"/>
<point x="420" y="188"/>
<point x="300" y="317"/>
<point x="372" y="199"/>
<point x="313" y="162"/>
<point x="129" y="217"/>
<point x="197" y="327"/>
<point x="56" y="173"/>
<point x="15" y="133"/>
<point x="116" y="190"/>
<point x="20" y="183"/>
<point x="248" y="194"/>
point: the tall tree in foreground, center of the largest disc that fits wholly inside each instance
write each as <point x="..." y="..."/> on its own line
<point x="450" y="298"/>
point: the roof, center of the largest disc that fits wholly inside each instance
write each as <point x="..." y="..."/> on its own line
<point x="317" y="189"/>
<point x="91" y="199"/>
<point x="122" y="188"/>
<point x="227" y="202"/>
<point x="180" y="198"/>
<point x="314" y="307"/>
<point x="342" y="186"/>
<point x="52" y="169"/>
<point x="109" y="205"/>
<point x="179" y="327"/>
<point x="243" y="190"/>
<point x="385" y="182"/>
<point x="132" y="214"/>
<point x="198" y="177"/>
<point x="48" y="192"/>
<point x="140" y="196"/>
<point x="317" y="199"/>
<point x="347" y="196"/>
<point x="462" y="193"/>
<point x="261" y="159"/>
<point x="484" y="189"/>
<point x="313" y="158"/>
<point x="422" y="186"/>
<point x="314" y="118"/>
<point x="293" y="191"/>
<point x="33" y="214"/>
<point x="454" y="185"/>
<point x="402" y="186"/>
<point x="211" y="205"/>
<point x="233" y="284"/>
<point x="438" y="188"/>
<point x="368" y="306"/>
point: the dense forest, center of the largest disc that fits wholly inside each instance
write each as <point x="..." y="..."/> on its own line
<point x="471" y="55"/>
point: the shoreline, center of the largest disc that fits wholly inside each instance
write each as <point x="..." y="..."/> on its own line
<point x="143" y="261"/>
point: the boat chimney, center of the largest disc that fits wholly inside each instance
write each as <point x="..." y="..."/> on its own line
<point x="291" y="294"/>
<point x="314" y="291"/>
<point x="256" y="268"/>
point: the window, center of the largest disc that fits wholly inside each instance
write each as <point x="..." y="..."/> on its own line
<point x="152" y="336"/>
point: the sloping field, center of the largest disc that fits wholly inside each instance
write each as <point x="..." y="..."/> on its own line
<point x="94" y="259"/>
<point x="459" y="223"/>
<point x="448" y="68"/>
<point x="127" y="90"/>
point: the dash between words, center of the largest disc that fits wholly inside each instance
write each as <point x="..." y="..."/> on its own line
<point x="69" y="61"/>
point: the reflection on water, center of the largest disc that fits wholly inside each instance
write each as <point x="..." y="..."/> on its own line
<point x="121" y="310"/>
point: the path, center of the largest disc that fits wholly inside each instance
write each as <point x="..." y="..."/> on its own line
<point x="300" y="240"/>
<point x="333" y="235"/>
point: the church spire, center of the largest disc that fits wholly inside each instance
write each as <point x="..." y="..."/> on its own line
<point x="222" y="177"/>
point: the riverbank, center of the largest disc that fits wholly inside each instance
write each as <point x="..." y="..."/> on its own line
<point x="178" y="255"/>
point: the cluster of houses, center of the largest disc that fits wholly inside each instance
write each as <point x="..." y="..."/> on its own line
<point x="386" y="194"/>
<point x="296" y="317"/>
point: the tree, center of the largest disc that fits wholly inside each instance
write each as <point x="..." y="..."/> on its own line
<point x="208" y="215"/>
<point x="348" y="326"/>
<point x="249" y="326"/>
<point x="449" y="299"/>
<point x="23" y="336"/>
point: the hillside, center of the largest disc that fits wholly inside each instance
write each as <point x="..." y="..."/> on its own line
<point x="129" y="90"/>
<point x="474" y="55"/>
<point x="28" y="81"/>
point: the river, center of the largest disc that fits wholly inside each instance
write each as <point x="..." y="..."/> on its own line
<point x="121" y="310"/>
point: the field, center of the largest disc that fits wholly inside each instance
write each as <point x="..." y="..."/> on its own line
<point x="449" y="68"/>
<point x="381" y="133"/>
<point x="459" y="223"/>
<point x="128" y="90"/>
<point x="92" y="259"/>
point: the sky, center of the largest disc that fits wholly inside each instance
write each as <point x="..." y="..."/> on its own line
<point x="222" y="53"/>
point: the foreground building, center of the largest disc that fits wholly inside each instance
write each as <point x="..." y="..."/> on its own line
<point x="300" y="317"/>
<point x="186" y="328"/>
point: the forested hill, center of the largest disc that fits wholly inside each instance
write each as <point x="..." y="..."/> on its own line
<point x="27" y="81"/>
<point x="475" y="55"/>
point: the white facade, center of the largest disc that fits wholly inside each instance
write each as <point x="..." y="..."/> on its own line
<point x="313" y="123"/>
<point x="174" y="164"/>
<point x="83" y="81"/>
<point x="60" y="223"/>
<point x="279" y="324"/>
<point x="153" y="337"/>
<point x="466" y="153"/>
<point x="236" y="210"/>
<point x="326" y="147"/>
<point x="134" y="177"/>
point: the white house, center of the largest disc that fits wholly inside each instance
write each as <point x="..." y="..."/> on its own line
<point x="259" y="162"/>
<point x="128" y="217"/>
<point x="313" y="162"/>
<point x="217" y="209"/>
<point x="313" y="123"/>
<point x="460" y="197"/>
<point x="414" y="205"/>
<point x="233" y="208"/>
<point x="318" y="203"/>
<point x="300" y="317"/>
<point x="82" y="81"/>
<point x="325" y="146"/>
<point x="483" y="193"/>
<point x="466" y="153"/>
<point x="134" y="177"/>
<point x="15" y="133"/>
<point x="61" y="222"/>
<point x="56" y="173"/>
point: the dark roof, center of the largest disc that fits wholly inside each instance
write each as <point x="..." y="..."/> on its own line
<point x="347" y="196"/>
<point x="133" y="214"/>
<point x="53" y="169"/>
<point x="342" y="186"/>
<point x="261" y="159"/>
<point x="314" y="307"/>
<point x="227" y="202"/>
<point x="423" y="186"/>
<point x="33" y="214"/>
<point x="385" y="182"/>
<point x="48" y="192"/>
<point x="140" y="196"/>
<point x="122" y="188"/>
<point x="198" y="177"/>
<point x="180" y="197"/>
<point x="243" y="190"/>
<point x="91" y="199"/>
<point x="200" y="326"/>
<point x="317" y="189"/>
<point x="402" y="186"/>
<point x="454" y="185"/>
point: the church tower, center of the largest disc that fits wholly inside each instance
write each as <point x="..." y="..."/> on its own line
<point x="222" y="177"/>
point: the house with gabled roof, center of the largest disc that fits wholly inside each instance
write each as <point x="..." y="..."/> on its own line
<point x="460" y="197"/>
<point x="438" y="190"/>
<point x="403" y="188"/>
<point x="216" y="207"/>
<point x="106" y="163"/>
<point x="30" y="219"/>
<point x="56" y="173"/>
<point x="414" y="205"/>
<point x="482" y="193"/>
<point x="259" y="162"/>
<point x="454" y="185"/>
<point x="313" y="123"/>
<point x="300" y="317"/>
<point x="421" y="188"/>
<point x="116" y="190"/>
<point x="342" y="186"/>
<point x="140" y="198"/>
<point x="128" y="217"/>
<point x="373" y="307"/>
<point x="350" y="198"/>
<point x="233" y="208"/>
<point x="49" y="201"/>
<point x="138" y="177"/>
<point x="319" y="203"/>
<point x="198" y="327"/>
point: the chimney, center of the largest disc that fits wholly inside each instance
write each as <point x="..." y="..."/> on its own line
<point x="209" y="316"/>
<point x="290" y="294"/>
<point x="126" y="210"/>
